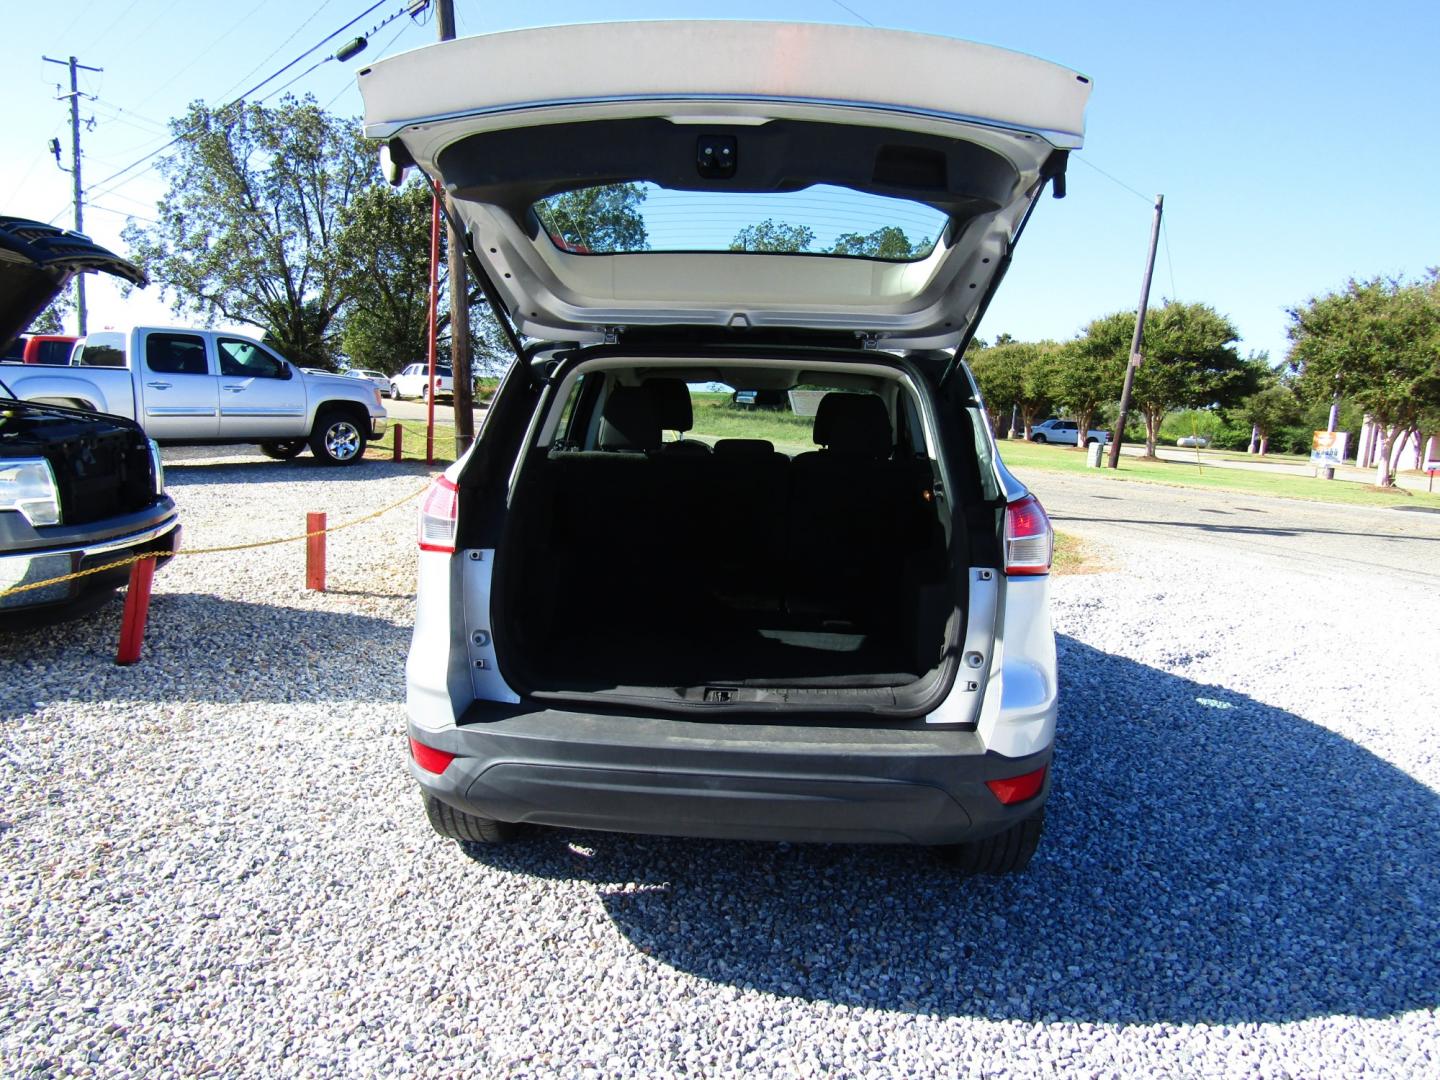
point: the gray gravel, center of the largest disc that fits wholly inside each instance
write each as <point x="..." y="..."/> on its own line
<point x="214" y="861"/>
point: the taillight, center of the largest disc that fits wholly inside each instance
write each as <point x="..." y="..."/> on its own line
<point x="1015" y="789"/>
<point x="437" y="516"/>
<point x="428" y="758"/>
<point x="1029" y="540"/>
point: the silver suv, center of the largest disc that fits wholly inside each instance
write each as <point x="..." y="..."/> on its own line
<point x="643" y="607"/>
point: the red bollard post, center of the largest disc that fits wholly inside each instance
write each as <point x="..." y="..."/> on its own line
<point x="315" y="552"/>
<point x="399" y="441"/>
<point x="137" y="609"/>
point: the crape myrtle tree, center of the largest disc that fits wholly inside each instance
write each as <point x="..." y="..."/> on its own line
<point x="250" y="228"/>
<point x="1083" y="375"/>
<point x="1376" y="343"/>
<point x="1267" y="411"/>
<point x="773" y="236"/>
<point x="1190" y="361"/>
<point x="1014" y="376"/>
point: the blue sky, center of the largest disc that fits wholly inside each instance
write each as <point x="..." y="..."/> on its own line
<point x="1294" y="142"/>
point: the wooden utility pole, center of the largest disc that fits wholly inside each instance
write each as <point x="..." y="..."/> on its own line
<point x="463" y="393"/>
<point x="1137" y="340"/>
<point x="74" y="64"/>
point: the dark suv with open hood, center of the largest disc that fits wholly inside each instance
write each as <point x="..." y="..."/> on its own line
<point x="78" y="490"/>
<point x="645" y="606"/>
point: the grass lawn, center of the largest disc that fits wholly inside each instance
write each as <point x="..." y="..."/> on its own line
<point x="716" y="418"/>
<point x="412" y="443"/>
<point x="1075" y="556"/>
<point x="1022" y="456"/>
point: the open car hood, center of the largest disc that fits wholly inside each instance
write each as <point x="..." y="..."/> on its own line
<point x="825" y="129"/>
<point x="37" y="261"/>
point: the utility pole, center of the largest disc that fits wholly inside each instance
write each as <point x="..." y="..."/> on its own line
<point x="1138" y="339"/>
<point x="463" y="393"/>
<point x="74" y="64"/>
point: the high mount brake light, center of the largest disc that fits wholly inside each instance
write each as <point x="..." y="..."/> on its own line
<point x="437" y="516"/>
<point x="1029" y="540"/>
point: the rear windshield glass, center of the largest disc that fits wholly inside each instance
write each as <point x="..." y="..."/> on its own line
<point x="818" y="220"/>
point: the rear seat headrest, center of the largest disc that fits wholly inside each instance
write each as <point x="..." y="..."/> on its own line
<point x="673" y="402"/>
<point x="630" y="420"/>
<point x="744" y="447"/>
<point x="855" y="424"/>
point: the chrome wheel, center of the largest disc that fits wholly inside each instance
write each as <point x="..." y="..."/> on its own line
<point x="342" y="440"/>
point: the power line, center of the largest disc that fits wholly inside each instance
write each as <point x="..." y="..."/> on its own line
<point x="1149" y="200"/>
<point x="269" y="78"/>
<point x="1165" y="232"/>
<point x="852" y="11"/>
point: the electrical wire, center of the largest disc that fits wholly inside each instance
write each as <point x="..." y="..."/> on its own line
<point x="93" y="189"/>
<point x="852" y="11"/>
<point x="1149" y="199"/>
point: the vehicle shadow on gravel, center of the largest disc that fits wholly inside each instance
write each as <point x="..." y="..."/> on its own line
<point x="1207" y="858"/>
<point x="181" y="473"/>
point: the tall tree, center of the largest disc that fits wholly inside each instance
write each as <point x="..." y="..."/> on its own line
<point x="249" y="230"/>
<point x="772" y="235"/>
<point x="1082" y="375"/>
<point x="1190" y="360"/>
<point x="1376" y="342"/>
<point x="1267" y="411"/>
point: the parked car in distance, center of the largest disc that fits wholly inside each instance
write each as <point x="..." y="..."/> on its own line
<point x="210" y="387"/>
<point x="1065" y="432"/>
<point x="1193" y="441"/>
<point x="378" y="379"/>
<point x="615" y="631"/>
<point x="77" y="490"/>
<point x="411" y="382"/>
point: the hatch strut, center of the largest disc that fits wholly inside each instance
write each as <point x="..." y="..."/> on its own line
<point x="492" y="297"/>
<point x="1059" y="181"/>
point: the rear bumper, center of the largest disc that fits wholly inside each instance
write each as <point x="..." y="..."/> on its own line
<point x="161" y="537"/>
<point x="377" y="427"/>
<point x="724" y="780"/>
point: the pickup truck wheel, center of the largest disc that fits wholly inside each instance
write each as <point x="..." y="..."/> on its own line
<point x="337" y="439"/>
<point x="1091" y="441"/>
<point x="424" y="393"/>
<point x="1008" y="852"/>
<point x="1037" y="437"/>
<point x="283" y="451"/>
<point x="458" y="825"/>
<point x="395" y="392"/>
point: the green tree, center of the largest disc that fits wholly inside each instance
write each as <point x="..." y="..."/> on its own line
<point x="1376" y="342"/>
<point x="1014" y="375"/>
<point x="385" y="241"/>
<point x="1267" y="411"/>
<point x="52" y="319"/>
<point x="250" y="227"/>
<point x="1082" y="375"/>
<point x="597" y="220"/>
<point x="772" y="235"/>
<point x="1190" y="361"/>
<point x="888" y="242"/>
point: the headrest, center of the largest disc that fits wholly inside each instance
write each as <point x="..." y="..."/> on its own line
<point x="853" y="424"/>
<point x="631" y="420"/>
<point x="673" y="398"/>
<point x="744" y="447"/>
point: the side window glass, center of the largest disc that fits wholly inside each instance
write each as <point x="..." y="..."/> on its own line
<point x="176" y="354"/>
<point x="562" y="438"/>
<point x="99" y="356"/>
<point x="246" y="360"/>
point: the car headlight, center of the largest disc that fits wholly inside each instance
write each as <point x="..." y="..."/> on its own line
<point x="157" y="467"/>
<point x="28" y="485"/>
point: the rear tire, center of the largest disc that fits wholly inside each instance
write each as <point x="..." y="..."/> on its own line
<point x="337" y="439"/>
<point x="1008" y="852"/>
<point x="1039" y="438"/>
<point x="1091" y="442"/>
<point x="458" y="825"/>
<point x="284" y="450"/>
<point x="395" y="392"/>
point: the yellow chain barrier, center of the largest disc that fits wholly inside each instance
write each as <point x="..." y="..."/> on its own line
<point x="129" y="560"/>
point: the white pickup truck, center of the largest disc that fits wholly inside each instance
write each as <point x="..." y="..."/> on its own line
<point x="207" y="386"/>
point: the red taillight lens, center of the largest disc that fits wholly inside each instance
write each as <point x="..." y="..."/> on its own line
<point x="437" y="516"/>
<point x="1029" y="540"/>
<point x="1016" y="789"/>
<point x="430" y="759"/>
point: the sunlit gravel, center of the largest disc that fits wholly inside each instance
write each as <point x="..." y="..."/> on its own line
<point x="214" y="861"/>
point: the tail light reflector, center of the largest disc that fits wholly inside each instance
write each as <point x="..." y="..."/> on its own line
<point x="1029" y="540"/>
<point x="1016" y="789"/>
<point x="437" y="516"/>
<point x="428" y="758"/>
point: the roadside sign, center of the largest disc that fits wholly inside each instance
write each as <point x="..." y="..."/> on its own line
<point x="1327" y="449"/>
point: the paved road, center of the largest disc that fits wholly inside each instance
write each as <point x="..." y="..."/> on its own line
<point x="1309" y="536"/>
<point x="416" y="410"/>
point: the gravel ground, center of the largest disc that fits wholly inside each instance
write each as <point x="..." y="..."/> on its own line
<point x="214" y="861"/>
